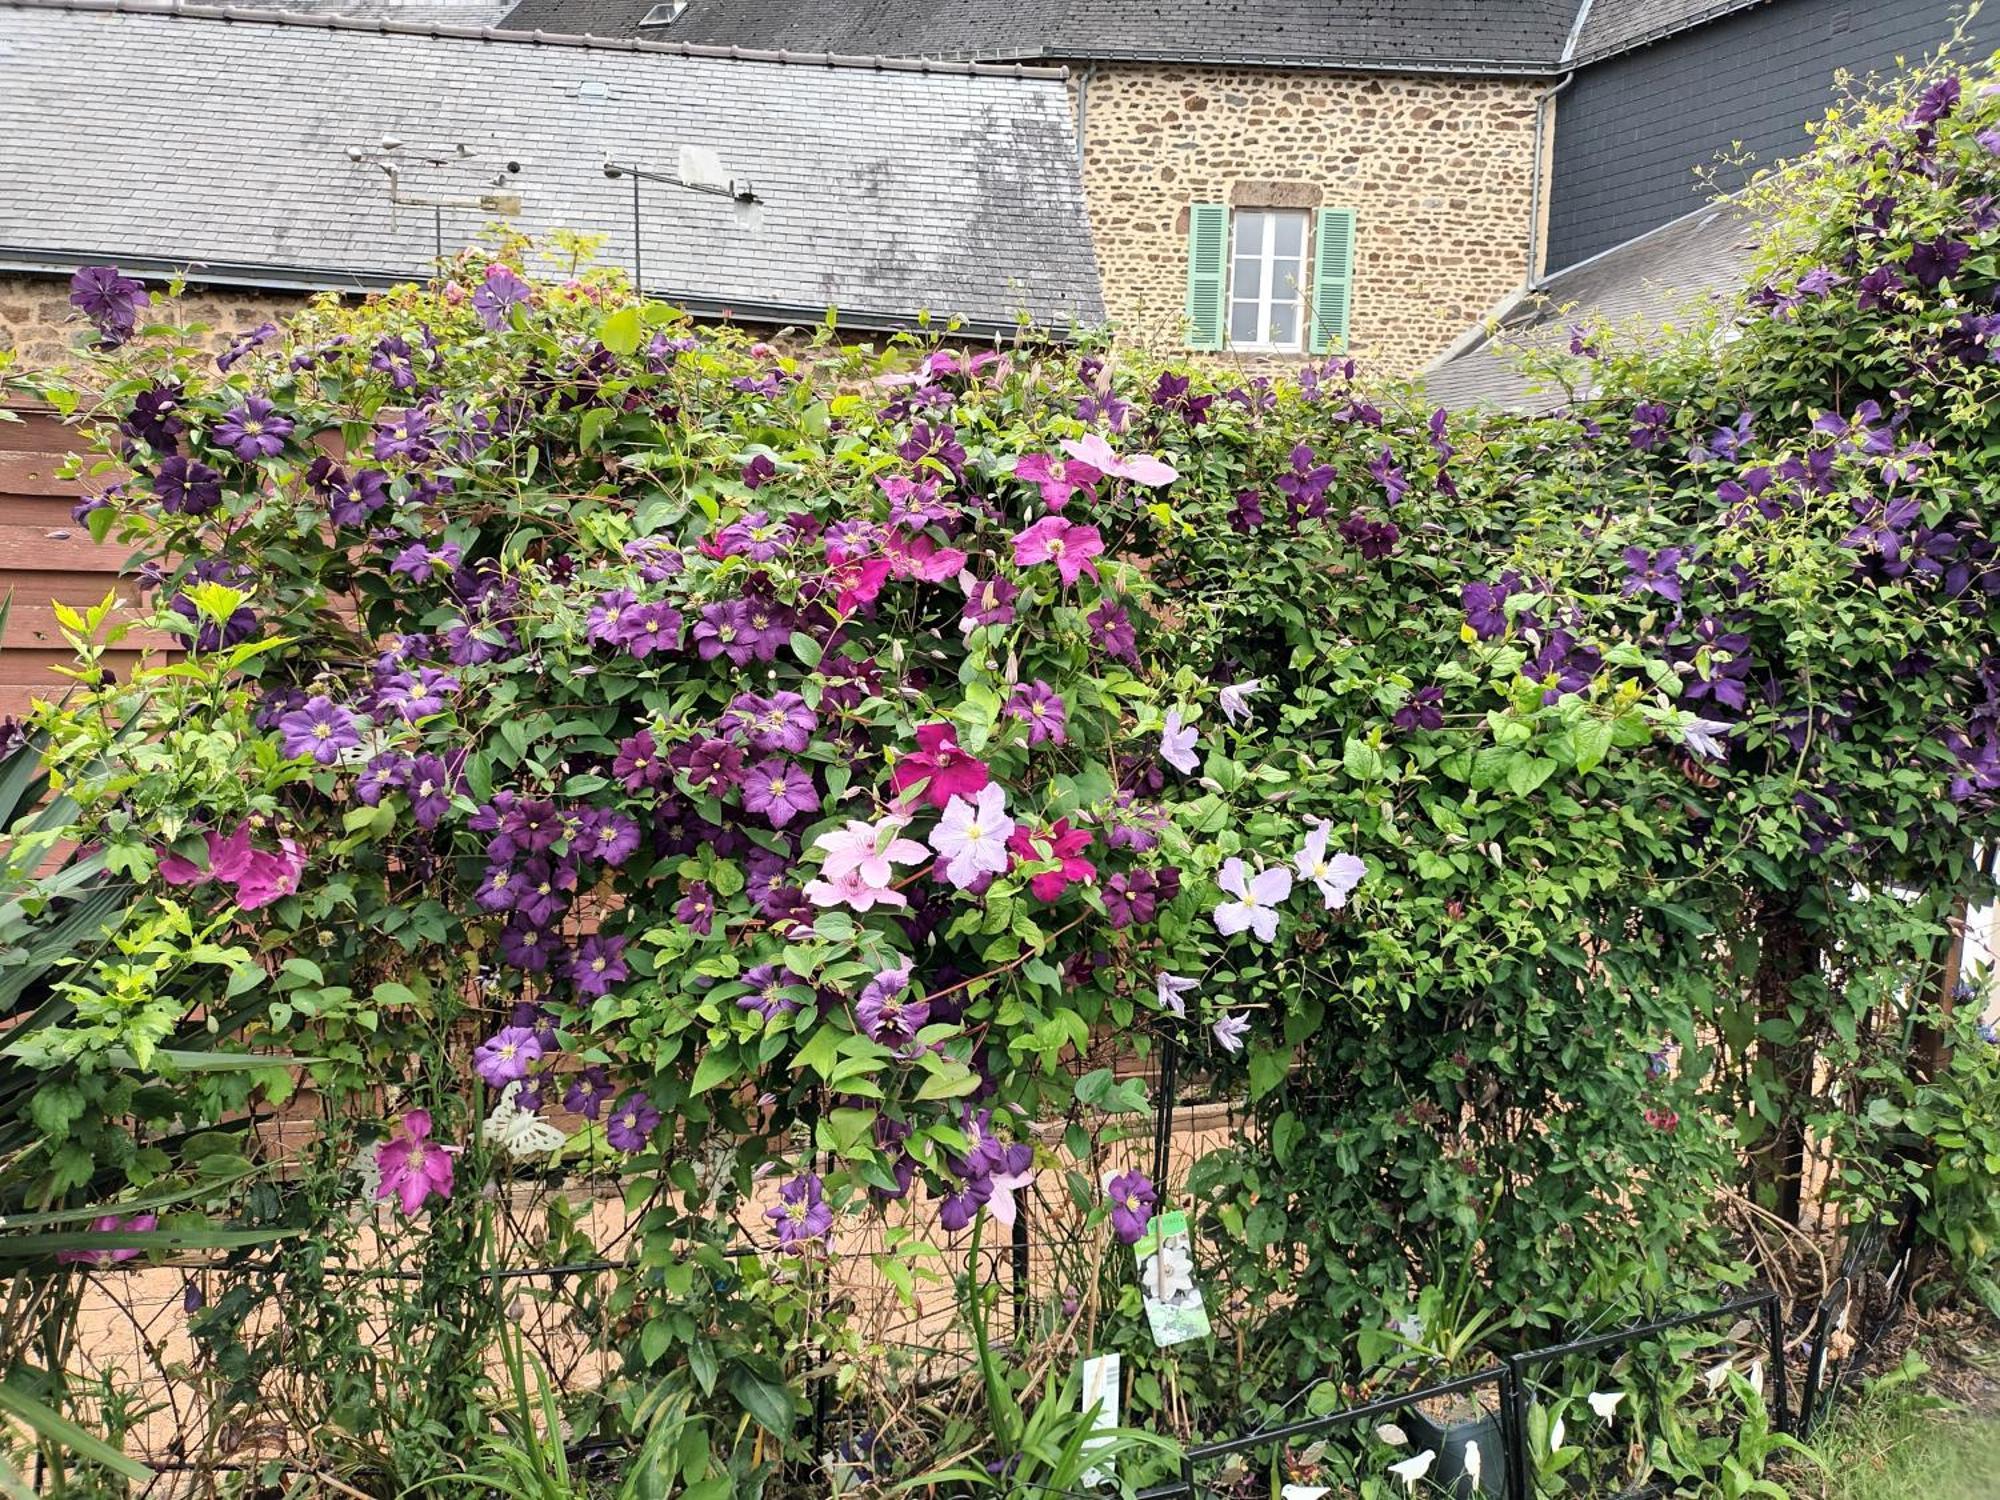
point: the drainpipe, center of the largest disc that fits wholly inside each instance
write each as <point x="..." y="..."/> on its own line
<point x="1543" y="102"/>
<point x="1083" y="106"/>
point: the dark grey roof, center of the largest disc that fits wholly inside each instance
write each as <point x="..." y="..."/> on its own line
<point x="1637" y="287"/>
<point x="1608" y="27"/>
<point x="163" y="137"/>
<point x="1485" y="36"/>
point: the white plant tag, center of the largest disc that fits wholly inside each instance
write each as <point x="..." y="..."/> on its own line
<point x="1100" y="1389"/>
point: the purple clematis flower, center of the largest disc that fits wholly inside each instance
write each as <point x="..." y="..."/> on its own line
<point x="598" y="964"/>
<point x="632" y="1124"/>
<point x="802" y="1214"/>
<point x="322" y="729"/>
<point x="780" y="790"/>
<point x="1040" y="707"/>
<point x="1133" y="1199"/>
<point x="498" y="295"/>
<point x="885" y="1014"/>
<point x="254" y="430"/>
<point x="588" y="1092"/>
<point x="110" y="299"/>
<point x="507" y="1055"/>
<point x="187" y="486"/>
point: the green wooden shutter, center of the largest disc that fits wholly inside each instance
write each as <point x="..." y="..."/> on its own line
<point x="1208" y="262"/>
<point x="1333" y="279"/>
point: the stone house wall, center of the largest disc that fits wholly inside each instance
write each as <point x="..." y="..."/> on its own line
<point x="40" y="328"/>
<point x="1439" y="173"/>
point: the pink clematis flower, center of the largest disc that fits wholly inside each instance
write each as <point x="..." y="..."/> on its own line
<point x="259" y="876"/>
<point x="413" y="1166"/>
<point x="921" y="557"/>
<point x="944" y="770"/>
<point x="111" y="1224"/>
<point x="1059" y="480"/>
<point x="860" y="864"/>
<point x="1070" y="548"/>
<point x="1060" y="843"/>
<point x="1255" y="908"/>
<point x="1093" y="449"/>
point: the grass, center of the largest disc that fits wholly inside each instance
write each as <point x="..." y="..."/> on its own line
<point x="1899" y="1440"/>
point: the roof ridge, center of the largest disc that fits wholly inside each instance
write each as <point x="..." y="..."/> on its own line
<point x="195" y="10"/>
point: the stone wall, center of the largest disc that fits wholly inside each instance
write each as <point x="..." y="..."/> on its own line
<point x="40" y="327"/>
<point x="1439" y="173"/>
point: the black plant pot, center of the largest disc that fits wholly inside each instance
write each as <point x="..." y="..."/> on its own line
<point x="1448" y="1440"/>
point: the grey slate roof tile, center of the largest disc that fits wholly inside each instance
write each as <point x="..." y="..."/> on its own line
<point x="130" y="133"/>
<point x="1524" y="36"/>
<point x="1636" y="288"/>
<point x="1613" y="26"/>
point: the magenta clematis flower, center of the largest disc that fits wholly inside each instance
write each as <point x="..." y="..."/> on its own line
<point x="1058" y="480"/>
<point x="259" y="876"/>
<point x="1177" y="741"/>
<point x="1255" y="908"/>
<point x="632" y="1124"/>
<point x="1070" y="547"/>
<point x="507" y="1055"/>
<point x="944" y="770"/>
<point x="1133" y="1199"/>
<point x="1060" y="844"/>
<point x="1041" y="708"/>
<point x="972" y="836"/>
<point x="802" y="1214"/>
<point x="413" y="1167"/>
<point x="321" y="730"/>
<point x="111" y="1224"/>
<point x="1093" y="449"/>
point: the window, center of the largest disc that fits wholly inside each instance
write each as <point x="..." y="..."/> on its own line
<point x="663" y="15"/>
<point x="1267" y="279"/>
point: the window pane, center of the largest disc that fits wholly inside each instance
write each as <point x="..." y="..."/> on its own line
<point x="1285" y="323"/>
<point x="1250" y="234"/>
<point x="1290" y="235"/>
<point x="1243" y="327"/>
<point x="1285" y="278"/>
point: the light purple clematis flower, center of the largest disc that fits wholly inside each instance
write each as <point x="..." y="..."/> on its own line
<point x="972" y="836"/>
<point x="1230" y="1031"/>
<point x="1336" y="875"/>
<point x="1172" y="991"/>
<point x="1235" y="699"/>
<point x="1258" y="896"/>
<point x="507" y="1055"/>
<point x="1177" y="741"/>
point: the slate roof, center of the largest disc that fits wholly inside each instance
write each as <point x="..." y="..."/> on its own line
<point x="158" y="136"/>
<point x="1637" y="287"/>
<point x="1529" y="37"/>
<point x="1439" y="36"/>
<point x="1608" y="27"/>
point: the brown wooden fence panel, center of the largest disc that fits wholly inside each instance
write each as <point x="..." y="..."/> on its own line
<point x="46" y="559"/>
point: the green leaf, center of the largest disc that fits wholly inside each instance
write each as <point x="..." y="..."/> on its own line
<point x="19" y="1404"/>
<point x="1361" y="760"/>
<point x="619" y="332"/>
<point x="766" y="1400"/>
<point x="1267" y="1070"/>
<point x="717" y="1066"/>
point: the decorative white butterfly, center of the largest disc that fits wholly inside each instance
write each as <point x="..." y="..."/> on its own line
<point x="519" y="1132"/>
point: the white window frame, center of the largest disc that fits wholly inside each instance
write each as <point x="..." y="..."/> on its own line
<point x="1266" y="295"/>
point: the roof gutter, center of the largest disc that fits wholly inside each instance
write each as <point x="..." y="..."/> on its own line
<point x="263" y="276"/>
<point x="1544" y="102"/>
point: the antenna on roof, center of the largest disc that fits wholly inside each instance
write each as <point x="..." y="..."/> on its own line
<point x="506" y="205"/>
<point x="701" y="171"/>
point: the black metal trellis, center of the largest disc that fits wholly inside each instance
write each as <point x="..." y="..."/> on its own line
<point x="1507" y="1377"/>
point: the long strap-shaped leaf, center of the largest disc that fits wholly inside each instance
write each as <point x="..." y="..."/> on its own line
<point x="59" y="1429"/>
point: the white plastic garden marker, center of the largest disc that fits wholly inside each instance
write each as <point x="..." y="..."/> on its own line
<point x="1473" y="1462"/>
<point x="1100" y="1389"/>
<point x="1756" y="1376"/>
<point x="1391" y="1434"/>
<point x="1604" y="1403"/>
<point x="1305" y="1492"/>
<point x="1410" y="1470"/>
<point x="1556" y="1432"/>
